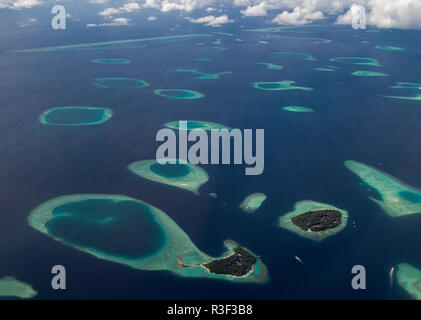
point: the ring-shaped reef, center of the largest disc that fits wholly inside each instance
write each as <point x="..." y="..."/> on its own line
<point x="389" y="48"/>
<point x="203" y="75"/>
<point x="279" y="85"/>
<point x="306" y="207"/>
<point x="271" y="66"/>
<point x="396" y="198"/>
<point x="119" y="83"/>
<point x="179" y="94"/>
<point x="112" y="61"/>
<point x="408" y="86"/>
<point x="101" y="220"/>
<point x="194" y="124"/>
<point x="252" y="202"/>
<point x="357" y="60"/>
<point x="409" y="279"/>
<point x="13" y="288"/>
<point x="297" y="109"/>
<point x="303" y="55"/>
<point x="174" y="173"/>
<point x="361" y="73"/>
<point x="75" y="116"/>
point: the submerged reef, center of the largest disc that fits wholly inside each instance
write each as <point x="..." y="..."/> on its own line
<point x="389" y="48"/>
<point x="252" y="202"/>
<point x="75" y="116"/>
<point x="204" y="75"/>
<point x="13" y="288"/>
<point x="271" y="66"/>
<point x="194" y="124"/>
<point x="112" y="61"/>
<point x="133" y="43"/>
<point x="182" y="175"/>
<point x="324" y="69"/>
<point x="397" y="198"/>
<point x="279" y="85"/>
<point x="357" y="60"/>
<point x="297" y="109"/>
<point x="179" y="93"/>
<point x="303" y="55"/>
<point x="408" y="86"/>
<point x="119" y="83"/>
<point x="409" y="279"/>
<point x="314" y="220"/>
<point x="361" y="73"/>
<point x="90" y="223"/>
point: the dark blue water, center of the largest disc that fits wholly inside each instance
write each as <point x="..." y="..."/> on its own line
<point x="304" y="155"/>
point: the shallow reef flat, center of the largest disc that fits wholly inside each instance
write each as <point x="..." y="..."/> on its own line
<point x="397" y="198"/>
<point x="278" y="85"/>
<point x="406" y="85"/>
<point x="182" y="175"/>
<point x="409" y="279"/>
<point x="303" y="55"/>
<point x="119" y="83"/>
<point x="308" y="206"/>
<point x="13" y="288"/>
<point x="75" y="116"/>
<point x="357" y="60"/>
<point x="204" y="75"/>
<point x="136" y="43"/>
<point x="297" y="109"/>
<point x="194" y="124"/>
<point x="183" y="94"/>
<point x="324" y="69"/>
<point x="252" y="202"/>
<point x="112" y="61"/>
<point x="271" y="66"/>
<point x="73" y="219"/>
<point x="361" y="73"/>
<point x="389" y="48"/>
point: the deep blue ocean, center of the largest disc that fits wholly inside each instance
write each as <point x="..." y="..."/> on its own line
<point x="304" y="155"/>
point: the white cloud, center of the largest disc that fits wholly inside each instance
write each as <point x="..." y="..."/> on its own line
<point x="298" y="16"/>
<point x="28" y="23"/>
<point x="109" y="12"/>
<point x="19" y="4"/>
<point x="152" y="18"/>
<point x="212" y="21"/>
<point x="126" y="8"/>
<point x="113" y="23"/>
<point x="97" y="1"/>
<point x="210" y="9"/>
<point x="258" y="10"/>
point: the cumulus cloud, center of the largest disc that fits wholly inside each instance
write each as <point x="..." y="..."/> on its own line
<point x="298" y="16"/>
<point x="126" y="8"/>
<point x="19" y="4"/>
<point x="97" y="1"/>
<point x="113" y="23"/>
<point x="212" y="21"/>
<point x="152" y="18"/>
<point x="258" y="10"/>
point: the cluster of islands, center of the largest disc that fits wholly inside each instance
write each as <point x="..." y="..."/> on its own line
<point x="152" y="240"/>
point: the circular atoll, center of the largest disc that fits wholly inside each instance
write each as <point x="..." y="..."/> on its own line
<point x="194" y="124"/>
<point x="314" y="220"/>
<point x="112" y="61"/>
<point x="297" y="109"/>
<point x="179" y="93"/>
<point x="252" y="202"/>
<point x="13" y="288"/>
<point x="132" y="232"/>
<point x="75" y="116"/>
<point x="271" y="66"/>
<point x="278" y="85"/>
<point x="361" y="73"/>
<point x="119" y="83"/>
<point x="357" y="60"/>
<point x="182" y="175"/>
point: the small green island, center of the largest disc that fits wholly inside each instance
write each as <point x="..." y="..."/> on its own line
<point x="319" y="220"/>
<point x="314" y="220"/>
